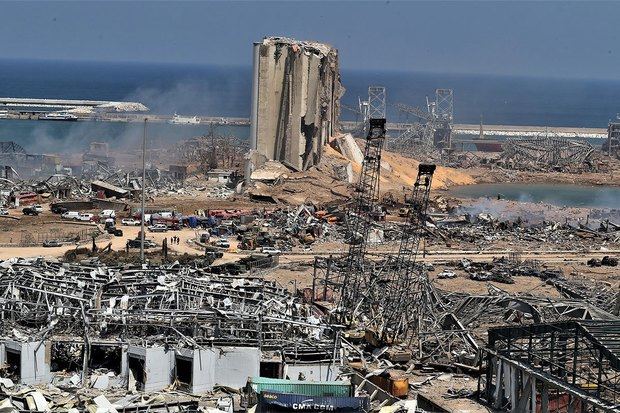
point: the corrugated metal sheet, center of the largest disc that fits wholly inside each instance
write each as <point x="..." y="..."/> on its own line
<point x="306" y="388"/>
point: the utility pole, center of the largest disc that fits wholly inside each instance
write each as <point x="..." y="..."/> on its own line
<point x="143" y="194"/>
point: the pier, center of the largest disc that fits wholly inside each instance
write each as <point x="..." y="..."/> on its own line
<point x="461" y="130"/>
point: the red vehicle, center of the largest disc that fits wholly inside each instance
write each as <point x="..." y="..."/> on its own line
<point x="228" y="213"/>
<point x="171" y="223"/>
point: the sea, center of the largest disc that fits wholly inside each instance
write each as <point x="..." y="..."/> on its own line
<point x="225" y="91"/>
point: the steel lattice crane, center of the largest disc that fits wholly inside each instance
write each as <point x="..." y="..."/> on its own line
<point x="355" y="279"/>
<point x="400" y="296"/>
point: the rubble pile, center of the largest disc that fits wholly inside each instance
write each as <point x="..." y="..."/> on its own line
<point x="503" y="270"/>
<point x="174" y="304"/>
<point x="67" y="307"/>
<point x="485" y="231"/>
<point x="56" y="186"/>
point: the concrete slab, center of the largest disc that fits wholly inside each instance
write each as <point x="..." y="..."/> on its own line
<point x="312" y="371"/>
<point x="233" y="365"/>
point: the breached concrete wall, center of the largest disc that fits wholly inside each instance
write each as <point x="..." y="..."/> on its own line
<point x="296" y="100"/>
<point x="34" y="360"/>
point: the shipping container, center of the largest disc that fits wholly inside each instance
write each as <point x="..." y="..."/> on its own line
<point x="308" y="388"/>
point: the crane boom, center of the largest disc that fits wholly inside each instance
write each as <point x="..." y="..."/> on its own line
<point x="400" y="298"/>
<point x="366" y="196"/>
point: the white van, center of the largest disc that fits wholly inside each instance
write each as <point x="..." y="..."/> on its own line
<point x="85" y="217"/>
<point x="107" y="213"/>
<point x="71" y="215"/>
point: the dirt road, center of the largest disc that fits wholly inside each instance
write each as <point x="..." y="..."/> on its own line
<point x="186" y="235"/>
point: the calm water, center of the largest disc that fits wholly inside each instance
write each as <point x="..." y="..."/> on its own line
<point x="225" y="91"/>
<point x="560" y="195"/>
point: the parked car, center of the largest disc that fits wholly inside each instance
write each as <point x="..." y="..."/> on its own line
<point x="130" y="222"/>
<point x="30" y="211"/>
<point x="48" y="243"/>
<point x="271" y="251"/>
<point x="85" y="216"/>
<point x="59" y="209"/>
<point x="222" y="243"/>
<point x="158" y="228"/>
<point x="4" y="212"/>
<point x="38" y="208"/>
<point x="115" y="231"/>
<point x="135" y="243"/>
<point x="71" y="215"/>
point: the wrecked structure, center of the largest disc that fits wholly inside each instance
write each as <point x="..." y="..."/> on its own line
<point x="153" y="326"/>
<point x="612" y="146"/>
<point x="432" y="130"/>
<point x="14" y="160"/>
<point x="212" y="151"/>
<point x="296" y="94"/>
<point x="566" y="366"/>
<point x="547" y="152"/>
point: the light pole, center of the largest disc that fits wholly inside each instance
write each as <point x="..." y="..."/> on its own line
<point x="143" y="194"/>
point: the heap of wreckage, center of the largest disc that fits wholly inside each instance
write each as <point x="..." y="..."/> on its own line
<point x="90" y="327"/>
<point x="105" y="183"/>
<point x="548" y="152"/>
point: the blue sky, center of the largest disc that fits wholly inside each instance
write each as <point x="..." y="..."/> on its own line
<point x="556" y="39"/>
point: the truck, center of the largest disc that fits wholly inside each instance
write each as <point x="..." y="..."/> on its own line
<point x="85" y="216"/>
<point x="135" y="243"/>
<point x="222" y="243"/>
<point x="30" y="211"/>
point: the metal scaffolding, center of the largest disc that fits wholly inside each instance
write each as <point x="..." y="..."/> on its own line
<point x="569" y="366"/>
<point x="612" y="146"/>
<point x="399" y="292"/>
<point x="546" y="152"/>
<point x="418" y="137"/>
<point x="444" y="107"/>
<point x="10" y="147"/>
<point x="433" y="128"/>
<point x="376" y="102"/>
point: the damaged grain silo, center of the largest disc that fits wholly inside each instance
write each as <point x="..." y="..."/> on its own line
<point x="295" y="101"/>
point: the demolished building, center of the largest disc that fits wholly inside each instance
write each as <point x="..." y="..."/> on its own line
<point x="296" y="94"/>
<point x="547" y="152"/>
<point x="151" y="326"/>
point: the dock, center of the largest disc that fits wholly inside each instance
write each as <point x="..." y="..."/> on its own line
<point x="461" y="130"/>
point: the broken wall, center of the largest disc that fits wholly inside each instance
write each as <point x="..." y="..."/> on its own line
<point x="33" y="360"/>
<point x="296" y="100"/>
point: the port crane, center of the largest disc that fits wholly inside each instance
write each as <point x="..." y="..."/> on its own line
<point x="355" y="278"/>
<point x="400" y="300"/>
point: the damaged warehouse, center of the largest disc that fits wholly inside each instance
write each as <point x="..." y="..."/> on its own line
<point x="146" y="328"/>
